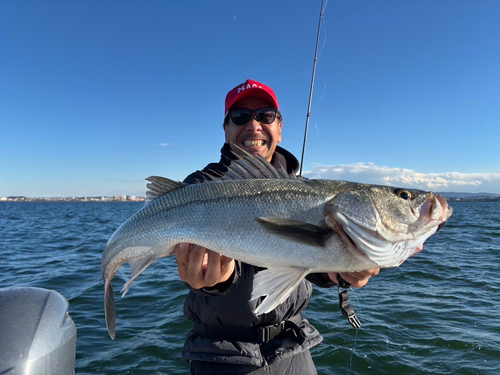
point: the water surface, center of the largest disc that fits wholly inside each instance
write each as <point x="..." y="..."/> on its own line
<point x="436" y="314"/>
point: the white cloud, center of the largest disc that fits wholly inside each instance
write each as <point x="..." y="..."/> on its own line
<point x="165" y="144"/>
<point x="373" y="174"/>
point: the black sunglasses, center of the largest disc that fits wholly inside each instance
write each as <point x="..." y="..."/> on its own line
<point x="265" y="115"/>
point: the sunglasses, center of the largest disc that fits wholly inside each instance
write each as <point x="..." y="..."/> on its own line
<point x="265" y="115"/>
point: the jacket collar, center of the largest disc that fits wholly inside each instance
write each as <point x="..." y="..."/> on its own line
<point x="281" y="158"/>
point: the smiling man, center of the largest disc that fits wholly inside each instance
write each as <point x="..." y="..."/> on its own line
<point x="227" y="337"/>
<point x="252" y="120"/>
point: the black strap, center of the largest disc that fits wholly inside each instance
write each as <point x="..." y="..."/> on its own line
<point x="346" y="309"/>
<point x="253" y="334"/>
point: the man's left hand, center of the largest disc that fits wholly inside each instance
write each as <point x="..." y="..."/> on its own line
<point x="360" y="279"/>
<point x="356" y="279"/>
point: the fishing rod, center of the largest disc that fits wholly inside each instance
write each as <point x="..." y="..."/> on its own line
<point x="312" y="88"/>
<point x="346" y="309"/>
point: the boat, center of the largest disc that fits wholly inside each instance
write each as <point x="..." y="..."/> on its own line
<point x="38" y="334"/>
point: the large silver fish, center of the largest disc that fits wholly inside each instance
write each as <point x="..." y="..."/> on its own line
<point x="266" y="218"/>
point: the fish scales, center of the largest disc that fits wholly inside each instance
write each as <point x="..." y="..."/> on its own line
<point x="293" y="227"/>
<point x="213" y="214"/>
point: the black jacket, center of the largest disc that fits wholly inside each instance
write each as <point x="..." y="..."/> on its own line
<point x="227" y="304"/>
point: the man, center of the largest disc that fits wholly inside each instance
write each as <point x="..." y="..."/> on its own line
<point x="227" y="338"/>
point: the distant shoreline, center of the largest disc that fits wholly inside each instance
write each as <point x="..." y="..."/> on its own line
<point x="142" y="199"/>
<point x="125" y="198"/>
<point x="482" y="199"/>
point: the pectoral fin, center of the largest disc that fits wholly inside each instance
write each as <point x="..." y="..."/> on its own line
<point x="277" y="284"/>
<point x="137" y="266"/>
<point x="297" y="231"/>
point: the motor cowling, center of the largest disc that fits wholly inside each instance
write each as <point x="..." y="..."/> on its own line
<point x="37" y="335"/>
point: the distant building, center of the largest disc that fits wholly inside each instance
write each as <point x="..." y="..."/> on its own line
<point x="119" y="198"/>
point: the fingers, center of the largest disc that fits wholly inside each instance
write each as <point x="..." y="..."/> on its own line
<point x="200" y="267"/>
<point x="356" y="279"/>
<point x="190" y="264"/>
<point x="212" y="268"/>
<point x="182" y="256"/>
<point x="225" y="260"/>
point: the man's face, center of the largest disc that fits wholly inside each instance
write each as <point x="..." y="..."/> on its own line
<point x="254" y="137"/>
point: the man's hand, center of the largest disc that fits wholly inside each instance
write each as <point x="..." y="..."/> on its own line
<point x="200" y="267"/>
<point x="359" y="279"/>
<point x="356" y="279"/>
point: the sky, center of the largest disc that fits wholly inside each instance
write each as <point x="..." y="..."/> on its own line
<point x="95" y="96"/>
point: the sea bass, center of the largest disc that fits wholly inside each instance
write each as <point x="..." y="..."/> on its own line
<point x="264" y="217"/>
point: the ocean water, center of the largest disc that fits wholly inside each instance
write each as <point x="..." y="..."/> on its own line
<point x="439" y="313"/>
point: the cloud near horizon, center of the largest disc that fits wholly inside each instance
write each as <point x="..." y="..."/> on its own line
<point x="373" y="174"/>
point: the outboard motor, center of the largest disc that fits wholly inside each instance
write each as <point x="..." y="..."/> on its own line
<point x="37" y="336"/>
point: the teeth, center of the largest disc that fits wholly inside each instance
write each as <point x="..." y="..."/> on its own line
<point x="250" y="143"/>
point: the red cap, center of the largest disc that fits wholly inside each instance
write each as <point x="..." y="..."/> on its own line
<point x="248" y="89"/>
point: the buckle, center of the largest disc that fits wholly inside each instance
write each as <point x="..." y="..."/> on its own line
<point x="261" y="334"/>
<point x="345" y="308"/>
<point x="267" y="333"/>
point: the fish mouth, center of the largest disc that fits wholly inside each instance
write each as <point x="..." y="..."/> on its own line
<point x="441" y="225"/>
<point x="447" y="211"/>
<point x="434" y="211"/>
<point x="388" y="248"/>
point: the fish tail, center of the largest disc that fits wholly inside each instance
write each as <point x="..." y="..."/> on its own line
<point x="109" y="309"/>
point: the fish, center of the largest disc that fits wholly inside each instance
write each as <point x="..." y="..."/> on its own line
<point x="266" y="217"/>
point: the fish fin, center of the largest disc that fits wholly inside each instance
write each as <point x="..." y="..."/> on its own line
<point x="297" y="231"/>
<point x="159" y="186"/>
<point x="277" y="284"/>
<point x="109" y="309"/>
<point x="247" y="166"/>
<point x="137" y="266"/>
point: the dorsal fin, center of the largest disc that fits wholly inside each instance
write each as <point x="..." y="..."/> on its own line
<point x="247" y="166"/>
<point x="244" y="167"/>
<point x="159" y="186"/>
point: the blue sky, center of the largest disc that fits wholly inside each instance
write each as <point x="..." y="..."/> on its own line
<point x="96" y="96"/>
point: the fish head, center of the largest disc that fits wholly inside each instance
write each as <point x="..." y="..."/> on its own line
<point x="386" y="224"/>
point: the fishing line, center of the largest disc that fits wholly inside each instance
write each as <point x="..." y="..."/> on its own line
<point x="323" y="7"/>
<point x="319" y="100"/>
<point x="312" y="87"/>
<point x="355" y="335"/>
<point x="325" y="35"/>
<point x="324" y="39"/>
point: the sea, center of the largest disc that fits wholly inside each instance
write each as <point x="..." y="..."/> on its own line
<point x="438" y="313"/>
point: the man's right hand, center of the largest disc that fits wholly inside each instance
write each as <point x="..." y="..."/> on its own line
<point x="200" y="267"/>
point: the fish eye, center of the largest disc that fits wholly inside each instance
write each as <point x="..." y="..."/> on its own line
<point x="404" y="194"/>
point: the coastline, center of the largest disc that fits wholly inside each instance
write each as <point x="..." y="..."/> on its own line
<point x="142" y="199"/>
<point x="121" y="198"/>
